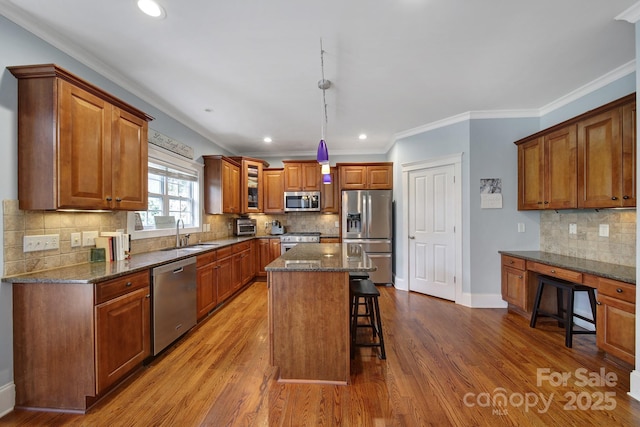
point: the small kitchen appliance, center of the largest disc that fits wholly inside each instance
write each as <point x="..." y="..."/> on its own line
<point x="277" y="228"/>
<point x="244" y="226"/>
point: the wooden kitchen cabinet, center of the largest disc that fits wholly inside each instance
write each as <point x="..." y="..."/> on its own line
<point x="273" y="190"/>
<point x="547" y="171"/>
<point x="330" y="195"/>
<point x="206" y="283"/>
<point x="301" y="175"/>
<point x="251" y="184"/>
<point x="267" y="249"/>
<point x="514" y="282"/>
<point x="221" y="185"/>
<point x="606" y="159"/>
<point x="588" y="161"/>
<point x="78" y="146"/>
<point x="247" y="263"/>
<point x="81" y="340"/>
<point x="366" y="176"/>
<point x="616" y="319"/>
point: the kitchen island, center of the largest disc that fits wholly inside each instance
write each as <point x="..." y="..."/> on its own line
<point x="309" y="311"/>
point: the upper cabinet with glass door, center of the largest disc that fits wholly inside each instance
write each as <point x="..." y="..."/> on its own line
<point x="251" y="184"/>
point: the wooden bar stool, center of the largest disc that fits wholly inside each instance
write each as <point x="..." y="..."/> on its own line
<point x="364" y="292"/>
<point x="564" y="316"/>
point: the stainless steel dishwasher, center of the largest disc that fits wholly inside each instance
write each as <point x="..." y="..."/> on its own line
<point x="174" y="301"/>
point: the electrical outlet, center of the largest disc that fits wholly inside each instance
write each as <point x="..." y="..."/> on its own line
<point x="337" y="224"/>
<point x="89" y="238"/>
<point x="521" y="227"/>
<point x="40" y="242"/>
<point x="573" y="228"/>
<point x="603" y="230"/>
<point x="76" y="240"/>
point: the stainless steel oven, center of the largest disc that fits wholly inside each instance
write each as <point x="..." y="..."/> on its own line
<point x="289" y="240"/>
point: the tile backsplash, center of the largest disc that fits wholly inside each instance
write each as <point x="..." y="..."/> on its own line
<point x="18" y="223"/>
<point x="618" y="248"/>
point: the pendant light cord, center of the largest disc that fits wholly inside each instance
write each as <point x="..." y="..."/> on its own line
<point x="323" y="83"/>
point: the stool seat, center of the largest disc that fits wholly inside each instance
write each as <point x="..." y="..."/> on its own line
<point x="364" y="293"/>
<point x="563" y="315"/>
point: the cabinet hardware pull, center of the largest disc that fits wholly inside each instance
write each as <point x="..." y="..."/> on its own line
<point x="599" y="303"/>
<point x="546" y="202"/>
<point x="618" y="290"/>
<point x="520" y="277"/>
<point x="539" y="203"/>
<point x="128" y="284"/>
<point x="625" y="197"/>
<point x="553" y="271"/>
<point x="511" y="262"/>
<point x="614" y="198"/>
<point x="148" y="296"/>
<point x="118" y="199"/>
<point x="109" y="199"/>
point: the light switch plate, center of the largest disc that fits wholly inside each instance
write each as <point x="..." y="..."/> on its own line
<point x="89" y="238"/>
<point x="603" y="230"/>
<point x="573" y="228"/>
<point x="40" y="242"/>
<point x="521" y="227"/>
<point x="76" y="240"/>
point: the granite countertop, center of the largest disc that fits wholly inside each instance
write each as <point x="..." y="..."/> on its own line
<point x="611" y="271"/>
<point x="93" y="272"/>
<point x="331" y="257"/>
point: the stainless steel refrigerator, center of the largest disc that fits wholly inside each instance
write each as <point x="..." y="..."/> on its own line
<point x="367" y="224"/>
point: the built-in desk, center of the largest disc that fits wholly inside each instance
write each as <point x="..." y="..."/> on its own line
<point x="615" y="285"/>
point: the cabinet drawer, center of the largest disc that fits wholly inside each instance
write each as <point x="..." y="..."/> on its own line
<point x="205" y="259"/>
<point x="513" y="262"/>
<point x="120" y="286"/>
<point x="615" y="289"/>
<point x="225" y="252"/>
<point x="561" y="273"/>
<point x="239" y="247"/>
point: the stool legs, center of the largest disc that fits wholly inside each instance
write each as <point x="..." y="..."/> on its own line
<point x="372" y="314"/>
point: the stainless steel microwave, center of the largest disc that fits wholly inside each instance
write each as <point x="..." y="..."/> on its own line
<point x="302" y="201"/>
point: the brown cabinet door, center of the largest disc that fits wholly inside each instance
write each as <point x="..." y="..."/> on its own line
<point x="600" y="160"/>
<point x="615" y="330"/>
<point x="311" y="176"/>
<point x="225" y="278"/>
<point x="293" y="180"/>
<point x="560" y="186"/>
<point x="629" y="155"/>
<point x="251" y="200"/>
<point x="513" y="287"/>
<point x="84" y="167"/>
<point x="123" y="336"/>
<point x="330" y="197"/>
<point x="531" y="175"/>
<point x="273" y="190"/>
<point x="207" y="296"/>
<point x="236" y="272"/>
<point x="380" y="177"/>
<point x="130" y="162"/>
<point x="353" y="177"/>
<point x="247" y="266"/>
<point x="231" y="188"/>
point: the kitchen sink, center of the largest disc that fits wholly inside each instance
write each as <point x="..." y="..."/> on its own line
<point x="194" y="247"/>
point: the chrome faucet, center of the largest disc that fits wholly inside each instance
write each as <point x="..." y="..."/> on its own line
<point x="178" y="242"/>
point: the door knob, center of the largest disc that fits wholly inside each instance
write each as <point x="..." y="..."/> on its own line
<point x="412" y="237"/>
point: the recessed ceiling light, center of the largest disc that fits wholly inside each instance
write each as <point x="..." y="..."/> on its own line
<point x="152" y="8"/>
<point x="362" y="136"/>
<point x="267" y="139"/>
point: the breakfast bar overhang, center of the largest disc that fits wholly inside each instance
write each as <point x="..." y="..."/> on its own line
<point x="309" y="311"/>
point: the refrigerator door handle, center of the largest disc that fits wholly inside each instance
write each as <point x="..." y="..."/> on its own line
<point x="369" y="215"/>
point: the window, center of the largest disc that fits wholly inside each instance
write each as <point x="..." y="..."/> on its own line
<point x="174" y="193"/>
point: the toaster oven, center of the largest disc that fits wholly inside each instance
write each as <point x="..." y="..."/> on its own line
<point x="244" y="226"/>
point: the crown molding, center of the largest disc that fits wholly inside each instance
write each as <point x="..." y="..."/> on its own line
<point x="632" y="14"/>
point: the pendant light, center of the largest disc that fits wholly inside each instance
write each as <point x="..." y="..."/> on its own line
<point x="323" y="152"/>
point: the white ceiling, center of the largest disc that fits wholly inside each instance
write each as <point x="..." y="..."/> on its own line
<point x="395" y="65"/>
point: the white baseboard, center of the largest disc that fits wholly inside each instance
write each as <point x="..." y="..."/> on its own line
<point x="635" y="385"/>
<point x="482" y="300"/>
<point x="400" y="284"/>
<point x="7" y="398"/>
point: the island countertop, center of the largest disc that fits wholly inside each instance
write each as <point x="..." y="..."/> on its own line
<point x="328" y="257"/>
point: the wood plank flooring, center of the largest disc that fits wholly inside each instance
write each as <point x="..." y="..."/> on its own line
<point x="446" y="365"/>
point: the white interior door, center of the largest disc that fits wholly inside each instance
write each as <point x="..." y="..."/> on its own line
<point x="432" y="242"/>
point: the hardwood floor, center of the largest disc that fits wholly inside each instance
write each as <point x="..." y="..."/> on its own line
<point x="445" y="365"/>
